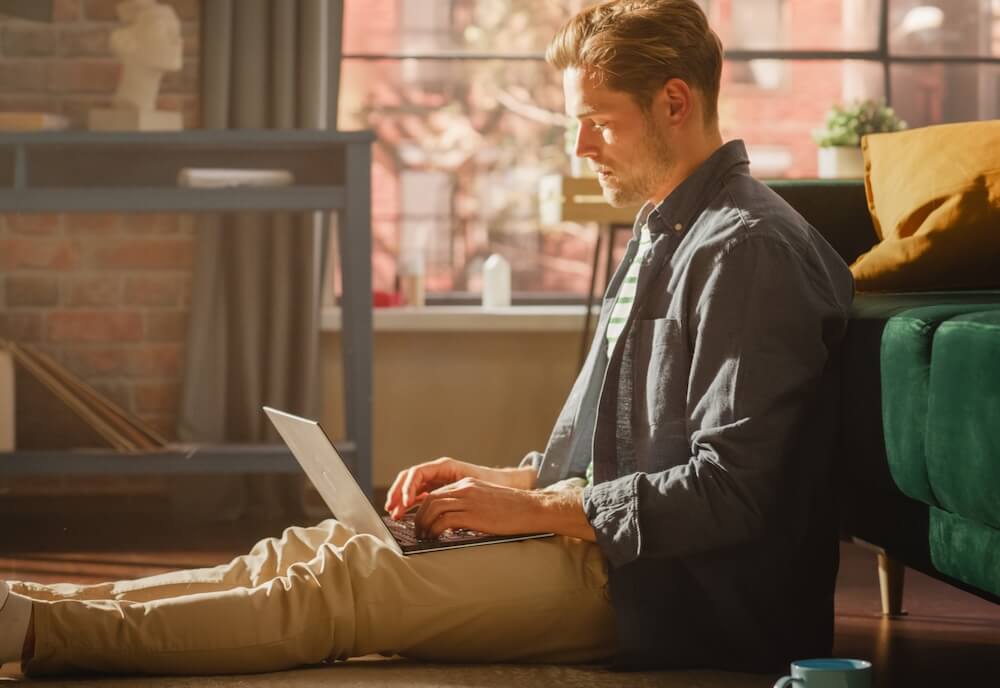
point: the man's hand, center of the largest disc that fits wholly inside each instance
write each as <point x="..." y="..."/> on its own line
<point x="412" y="485"/>
<point x="477" y="505"/>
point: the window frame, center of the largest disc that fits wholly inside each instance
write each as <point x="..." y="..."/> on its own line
<point x="880" y="54"/>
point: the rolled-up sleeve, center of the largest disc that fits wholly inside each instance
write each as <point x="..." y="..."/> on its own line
<point x="613" y="510"/>
<point x="757" y="326"/>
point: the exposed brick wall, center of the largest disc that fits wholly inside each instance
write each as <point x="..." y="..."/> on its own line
<point x="105" y="294"/>
<point x="67" y="68"/>
<point x="109" y="303"/>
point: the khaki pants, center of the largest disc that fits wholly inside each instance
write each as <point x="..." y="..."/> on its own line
<point x="327" y="593"/>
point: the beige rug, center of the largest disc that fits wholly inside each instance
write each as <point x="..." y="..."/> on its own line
<point x="398" y="672"/>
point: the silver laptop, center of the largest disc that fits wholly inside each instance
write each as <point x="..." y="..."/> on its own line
<point x="341" y="492"/>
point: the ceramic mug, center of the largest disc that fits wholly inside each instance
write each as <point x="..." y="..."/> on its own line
<point x="828" y="673"/>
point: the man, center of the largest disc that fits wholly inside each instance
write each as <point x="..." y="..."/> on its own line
<point x="694" y="431"/>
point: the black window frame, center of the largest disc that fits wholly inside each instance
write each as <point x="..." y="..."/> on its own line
<point x="881" y="54"/>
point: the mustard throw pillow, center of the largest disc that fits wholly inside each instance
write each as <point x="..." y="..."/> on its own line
<point x="934" y="197"/>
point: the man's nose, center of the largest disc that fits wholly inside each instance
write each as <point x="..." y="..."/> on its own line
<point x="586" y="142"/>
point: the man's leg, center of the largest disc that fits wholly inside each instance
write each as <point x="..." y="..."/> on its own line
<point x="268" y="559"/>
<point x="537" y="600"/>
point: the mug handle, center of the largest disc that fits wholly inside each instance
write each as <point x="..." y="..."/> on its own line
<point x="786" y="681"/>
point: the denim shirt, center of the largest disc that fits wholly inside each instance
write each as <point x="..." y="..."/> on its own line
<point x="710" y="427"/>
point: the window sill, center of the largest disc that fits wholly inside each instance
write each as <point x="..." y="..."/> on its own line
<point x="468" y="319"/>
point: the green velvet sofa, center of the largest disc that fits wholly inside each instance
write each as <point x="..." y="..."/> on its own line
<point x="919" y="436"/>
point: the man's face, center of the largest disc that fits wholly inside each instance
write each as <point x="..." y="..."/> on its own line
<point x="621" y="141"/>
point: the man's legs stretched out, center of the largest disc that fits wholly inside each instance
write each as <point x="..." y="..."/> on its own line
<point x="537" y="600"/>
<point x="267" y="559"/>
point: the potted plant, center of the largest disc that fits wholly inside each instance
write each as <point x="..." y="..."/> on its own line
<point x="839" y="140"/>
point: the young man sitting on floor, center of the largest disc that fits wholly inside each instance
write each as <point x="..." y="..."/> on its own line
<point x="686" y="477"/>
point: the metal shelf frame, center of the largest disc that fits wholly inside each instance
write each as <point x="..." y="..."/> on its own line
<point x="136" y="172"/>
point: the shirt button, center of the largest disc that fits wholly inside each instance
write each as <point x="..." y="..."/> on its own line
<point x="678" y="227"/>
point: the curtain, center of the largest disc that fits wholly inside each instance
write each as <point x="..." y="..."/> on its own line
<point x="255" y="313"/>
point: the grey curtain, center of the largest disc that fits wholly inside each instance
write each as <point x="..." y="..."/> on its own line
<point x="254" y="321"/>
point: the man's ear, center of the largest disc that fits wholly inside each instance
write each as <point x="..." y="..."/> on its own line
<point x="677" y="100"/>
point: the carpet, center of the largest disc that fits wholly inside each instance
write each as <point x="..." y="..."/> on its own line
<point x="399" y="672"/>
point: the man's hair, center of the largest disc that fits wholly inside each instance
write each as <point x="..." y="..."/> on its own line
<point x="635" y="46"/>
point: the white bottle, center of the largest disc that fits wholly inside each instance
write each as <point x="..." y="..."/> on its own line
<point x="411" y="280"/>
<point x="496" y="282"/>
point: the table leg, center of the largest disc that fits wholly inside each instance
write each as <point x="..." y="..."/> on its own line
<point x="354" y="235"/>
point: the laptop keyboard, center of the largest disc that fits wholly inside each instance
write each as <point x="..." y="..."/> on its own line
<point x="404" y="530"/>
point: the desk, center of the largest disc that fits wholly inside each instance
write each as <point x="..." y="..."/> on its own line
<point x="53" y="172"/>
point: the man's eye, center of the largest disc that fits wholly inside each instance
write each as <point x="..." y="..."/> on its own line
<point x="598" y="126"/>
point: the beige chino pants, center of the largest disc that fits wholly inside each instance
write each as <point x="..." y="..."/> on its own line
<point x="324" y="593"/>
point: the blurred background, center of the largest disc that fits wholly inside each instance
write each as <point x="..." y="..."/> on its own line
<point x="468" y="115"/>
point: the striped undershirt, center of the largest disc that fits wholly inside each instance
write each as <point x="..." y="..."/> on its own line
<point x="626" y="293"/>
<point x="623" y="306"/>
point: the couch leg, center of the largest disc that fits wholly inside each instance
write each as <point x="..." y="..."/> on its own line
<point x="890" y="583"/>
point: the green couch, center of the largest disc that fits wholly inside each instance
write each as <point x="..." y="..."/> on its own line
<point x="920" y="416"/>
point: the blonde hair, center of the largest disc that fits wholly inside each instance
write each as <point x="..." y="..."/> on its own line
<point x="635" y="46"/>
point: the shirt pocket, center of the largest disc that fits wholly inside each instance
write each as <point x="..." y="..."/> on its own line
<point x="661" y="368"/>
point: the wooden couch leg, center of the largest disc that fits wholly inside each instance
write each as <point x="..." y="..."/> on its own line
<point x="890" y="583"/>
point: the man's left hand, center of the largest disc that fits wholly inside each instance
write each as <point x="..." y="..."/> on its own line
<point x="478" y="505"/>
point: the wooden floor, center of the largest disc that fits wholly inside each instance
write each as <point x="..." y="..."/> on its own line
<point x="947" y="637"/>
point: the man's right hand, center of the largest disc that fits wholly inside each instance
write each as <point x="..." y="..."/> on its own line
<point x="413" y="484"/>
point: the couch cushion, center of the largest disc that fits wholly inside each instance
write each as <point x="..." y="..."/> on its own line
<point x="934" y="195"/>
<point x="862" y="437"/>
<point x="963" y="429"/>
<point x="909" y="345"/>
<point x="965" y="549"/>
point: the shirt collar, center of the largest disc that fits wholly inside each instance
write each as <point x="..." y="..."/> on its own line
<point x="676" y="212"/>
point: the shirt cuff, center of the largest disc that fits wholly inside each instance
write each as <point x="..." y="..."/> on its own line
<point x="613" y="510"/>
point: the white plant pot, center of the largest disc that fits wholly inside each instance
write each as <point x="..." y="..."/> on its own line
<point x="838" y="162"/>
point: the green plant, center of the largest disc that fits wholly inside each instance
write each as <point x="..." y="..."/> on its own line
<point x="846" y="124"/>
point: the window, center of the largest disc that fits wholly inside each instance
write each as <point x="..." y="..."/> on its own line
<point x="468" y="116"/>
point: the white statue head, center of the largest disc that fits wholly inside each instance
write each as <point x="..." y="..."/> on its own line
<point x="150" y="37"/>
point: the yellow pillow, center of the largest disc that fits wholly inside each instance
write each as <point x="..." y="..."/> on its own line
<point x="934" y="197"/>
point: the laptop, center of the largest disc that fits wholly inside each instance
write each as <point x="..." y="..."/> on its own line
<point x="330" y="476"/>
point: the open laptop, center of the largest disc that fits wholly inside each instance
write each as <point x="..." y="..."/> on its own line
<point x="341" y="492"/>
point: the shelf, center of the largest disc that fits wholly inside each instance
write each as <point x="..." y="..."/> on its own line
<point x="160" y="199"/>
<point x="88" y="171"/>
<point x="135" y="172"/>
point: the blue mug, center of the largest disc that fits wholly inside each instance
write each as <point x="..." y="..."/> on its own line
<point x="828" y="673"/>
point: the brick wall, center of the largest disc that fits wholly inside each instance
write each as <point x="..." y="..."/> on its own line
<point x="106" y="294"/>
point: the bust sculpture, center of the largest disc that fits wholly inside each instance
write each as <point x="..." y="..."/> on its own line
<point x="148" y="44"/>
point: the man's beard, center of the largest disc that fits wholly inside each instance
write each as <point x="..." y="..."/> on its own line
<point x="643" y="175"/>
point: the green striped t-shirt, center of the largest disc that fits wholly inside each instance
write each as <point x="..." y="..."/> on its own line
<point x="626" y="293"/>
<point x="623" y="306"/>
